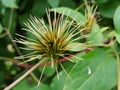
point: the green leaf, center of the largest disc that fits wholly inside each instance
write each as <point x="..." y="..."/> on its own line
<point x="111" y="34"/>
<point x="23" y="85"/>
<point x="68" y="3"/>
<point x="1" y="28"/>
<point x="2" y="75"/>
<point x="103" y="29"/>
<point x="58" y="84"/>
<point x="26" y="85"/>
<point x="10" y="3"/>
<point x="117" y="37"/>
<point x="39" y="7"/>
<point x="41" y="87"/>
<point x="49" y="71"/>
<point x="101" y="1"/>
<point x="71" y="13"/>
<point x="53" y="3"/>
<point x="78" y="57"/>
<point x="96" y="35"/>
<point x="103" y="72"/>
<point x="108" y="9"/>
<point x="117" y="20"/>
<point x="23" y="18"/>
<point x="76" y="46"/>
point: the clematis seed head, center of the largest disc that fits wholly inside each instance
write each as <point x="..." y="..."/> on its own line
<point x="52" y="40"/>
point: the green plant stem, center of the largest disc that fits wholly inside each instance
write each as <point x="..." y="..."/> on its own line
<point x="102" y="45"/>
<point x="34" y="77"/>
<point x="24" y="75"/>
<point x="3" y="35"/>
<point x="10" y="19"/>
<point x="16" y="62"/>
<point x="79" y="7"/>
<point x="118" y="70"/>
<point x="22" y="65"/>
<point x="118" y="66"/>
<point x="117" y="58"/>
<point x="8" y="59"/>
<point x="9" y="29"/>
<point x="11" y="38"/>
<point x="15" y="45"/>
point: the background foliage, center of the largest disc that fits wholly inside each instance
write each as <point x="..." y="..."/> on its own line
<point x="101" y="60"/>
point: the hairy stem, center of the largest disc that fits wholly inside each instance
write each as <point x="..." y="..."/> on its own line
<point x="24" y="75"/>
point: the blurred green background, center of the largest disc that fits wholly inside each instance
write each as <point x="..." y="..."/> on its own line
<point x="13" y="14"/>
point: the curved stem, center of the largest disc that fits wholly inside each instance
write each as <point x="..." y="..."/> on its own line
<point x="118" y="66"/>
<point x="11" y="38"/>
<point x="118" y="72"/>
<point x="24" y="75"/>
